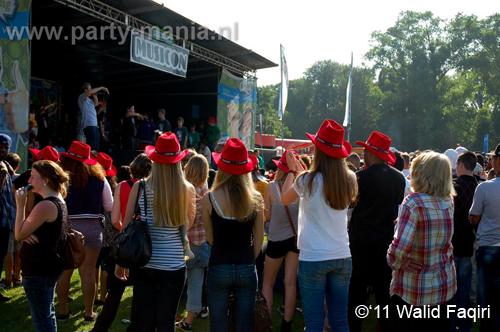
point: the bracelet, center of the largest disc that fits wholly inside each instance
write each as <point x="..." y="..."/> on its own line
<point x="292" y="172"/>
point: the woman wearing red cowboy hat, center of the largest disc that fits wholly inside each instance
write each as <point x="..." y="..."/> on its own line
<point x="234" y="225"/>
<point x="88" y="195"/>
<point x="171" y="207"/>
<point x="325" y="193"/>
<point x="282" y="244"/>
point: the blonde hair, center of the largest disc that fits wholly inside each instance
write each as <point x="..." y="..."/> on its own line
<point x="431" y="174"/>
<point x="171" y="195"/>
<point x="196" y="170"/>
<point x="339" y="187"/>
<point x="245" y="201"/>
<point x="279" y="176"/>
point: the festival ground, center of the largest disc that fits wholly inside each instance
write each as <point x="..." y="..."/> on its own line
<point x="15" y="313"/>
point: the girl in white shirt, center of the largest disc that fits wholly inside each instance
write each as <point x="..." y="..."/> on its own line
<point x="325" y="193"/>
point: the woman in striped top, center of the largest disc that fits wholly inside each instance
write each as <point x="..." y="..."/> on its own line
<point x="170" y="203"/>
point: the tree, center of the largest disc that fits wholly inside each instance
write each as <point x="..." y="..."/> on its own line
<point x="268" y="105"/>
<point x="414" y="57"/>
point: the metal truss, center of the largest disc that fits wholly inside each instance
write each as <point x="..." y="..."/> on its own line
<point x="110" y="15"/>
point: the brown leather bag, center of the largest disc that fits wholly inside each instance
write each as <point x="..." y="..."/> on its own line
<point x="74" y="251"/>
<point x="262" y="321"/>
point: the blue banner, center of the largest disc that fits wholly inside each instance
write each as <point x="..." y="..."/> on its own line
<point x="485" y="143"/>
<point x="237" y="107"/>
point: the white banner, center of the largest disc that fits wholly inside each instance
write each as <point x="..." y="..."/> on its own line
<point x="151" y="53"/>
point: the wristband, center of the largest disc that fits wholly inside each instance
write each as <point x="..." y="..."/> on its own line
<point x="4" y="169"/>
<point x="292" y="172"/>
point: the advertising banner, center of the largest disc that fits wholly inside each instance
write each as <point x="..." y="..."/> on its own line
<point x="237" y="107"/>
<point x="151" y="53"/>
<point x="15" y="75"/>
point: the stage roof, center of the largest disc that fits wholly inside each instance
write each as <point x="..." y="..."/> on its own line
<point x="106" y="62"/>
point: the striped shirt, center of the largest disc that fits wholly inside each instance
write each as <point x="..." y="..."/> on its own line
<point x="423" y="233"/>
<point x="168" y="254"/>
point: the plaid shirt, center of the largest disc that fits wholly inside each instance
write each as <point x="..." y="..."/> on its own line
<point x="196" y="234"/>
<point x="423" y="233"/>
<point x="7" y="205"/>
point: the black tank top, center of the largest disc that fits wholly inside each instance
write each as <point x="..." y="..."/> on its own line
<point x="43" y="258"/>
<point x="233" y="240"/>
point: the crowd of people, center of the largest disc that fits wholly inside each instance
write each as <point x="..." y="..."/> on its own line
<point x="130" y="130"/>
<point x="410" y="228"/>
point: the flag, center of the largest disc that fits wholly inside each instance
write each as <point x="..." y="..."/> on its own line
<point x="284" y="85"/>
<point x="347" y="117"/>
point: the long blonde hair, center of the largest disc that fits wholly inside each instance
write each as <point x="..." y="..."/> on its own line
<point x="171" y="195"/>
<point x="431" y="174"/>
<point x="244" y="201"/>
<point x="339" y="186"/>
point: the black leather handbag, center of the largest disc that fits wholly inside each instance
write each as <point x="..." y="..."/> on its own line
<point x="132" y="247"/>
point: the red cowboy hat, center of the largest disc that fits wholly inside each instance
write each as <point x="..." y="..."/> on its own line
<point x="167" y="150"/>
<point x="330" y="140"/>
<point x="47" y="153"/>
<point x="281" y="163"/>
<point x="106" y="162"/>
<point x="212" y="119"/>
<point x="80" y="152"/>
<point x="234" y="158"/>
<point x="380" y="145"/>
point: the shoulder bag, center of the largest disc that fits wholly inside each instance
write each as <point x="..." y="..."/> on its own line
<point x="132" y="247"/>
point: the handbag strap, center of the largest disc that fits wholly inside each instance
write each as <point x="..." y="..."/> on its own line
<point x="143" y="181"/>
<point x="137" y="211"/>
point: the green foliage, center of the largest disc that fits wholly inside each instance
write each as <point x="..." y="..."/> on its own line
<point x="433" y="83"/>
<point x="268" y="107"/>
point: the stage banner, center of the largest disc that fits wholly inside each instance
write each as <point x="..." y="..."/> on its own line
<point x="237" y="105"/>
<point x="151" y="53"/>
<point x="15" y="74"/>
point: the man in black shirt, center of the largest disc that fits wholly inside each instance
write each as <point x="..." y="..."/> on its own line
<point x="381" y="190"/>
<point x="463" y="236"/>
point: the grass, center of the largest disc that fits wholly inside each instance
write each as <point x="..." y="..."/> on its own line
<point x="16" y="313"/>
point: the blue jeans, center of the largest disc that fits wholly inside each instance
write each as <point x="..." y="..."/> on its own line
<point x="488" y="285"/>
<point x="463" y="266"/>
<point x="196" y="274"/>
<point x="40" y="294"/>
<point x="329" y="279"/>
<point x="242" y="281"/>
<point x="92" y="136"/>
